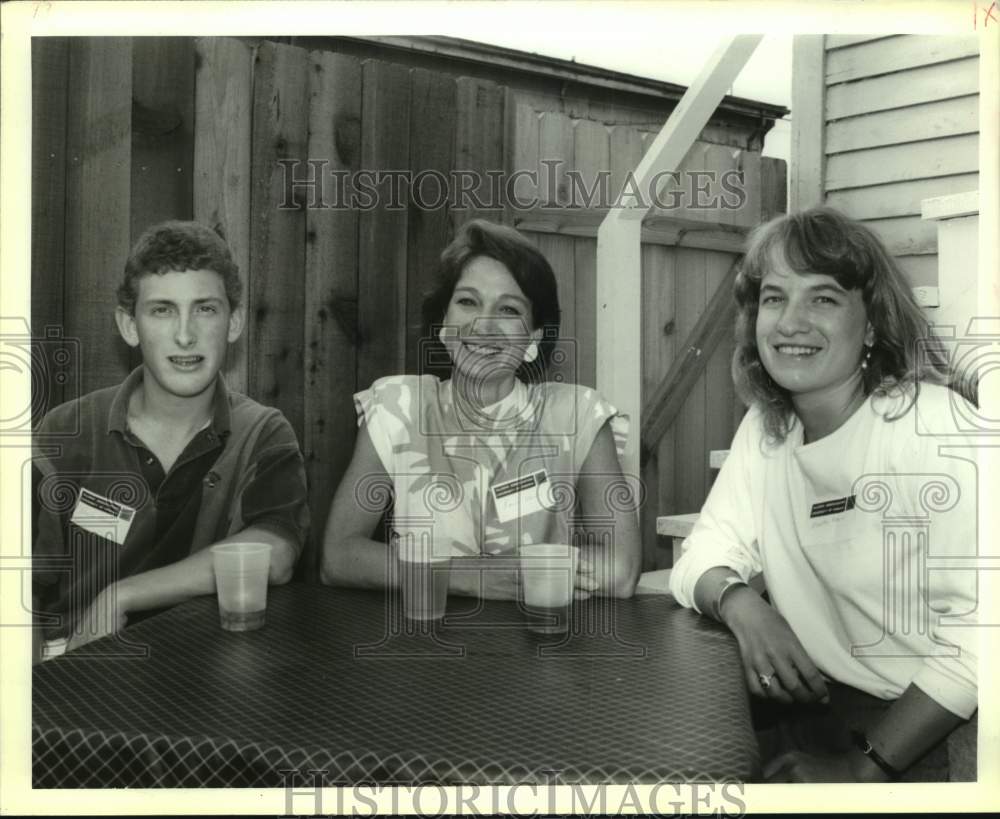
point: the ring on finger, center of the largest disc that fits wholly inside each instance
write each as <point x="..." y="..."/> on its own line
<point x="765" y="679"/>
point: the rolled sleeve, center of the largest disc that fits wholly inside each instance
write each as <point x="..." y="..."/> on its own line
<point x="276" y="493"/>
<point x="724" y="534"/>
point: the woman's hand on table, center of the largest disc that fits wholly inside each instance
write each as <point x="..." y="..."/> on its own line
<point x="774" y="661"/>
<point x="499" y="577"/>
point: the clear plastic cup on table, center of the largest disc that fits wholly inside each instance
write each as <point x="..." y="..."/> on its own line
<point x="241" y="571"/>
<point x="423" y="579"/>
<point x="548" y="578"/>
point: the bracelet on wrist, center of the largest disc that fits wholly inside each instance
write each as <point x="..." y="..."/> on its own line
<point x="727" y="586"/>
<point x="862" y="743"/>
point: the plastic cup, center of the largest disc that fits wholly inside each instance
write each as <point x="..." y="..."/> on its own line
<point x="241" y="581"/>
<point x="423" y="580"/>
<point x="548" y="577"/>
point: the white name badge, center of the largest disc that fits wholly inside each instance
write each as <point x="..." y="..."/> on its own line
<point x="522" y="496"/>
<point x="102" y="516"/>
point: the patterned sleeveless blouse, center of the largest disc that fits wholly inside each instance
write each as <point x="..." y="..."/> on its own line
<point x="443" y="455"/>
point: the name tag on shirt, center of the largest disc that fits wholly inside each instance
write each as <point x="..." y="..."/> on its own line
<point x="102" y="516"/>
<point x="522" y="496"/>
<point x="832" y="507"/>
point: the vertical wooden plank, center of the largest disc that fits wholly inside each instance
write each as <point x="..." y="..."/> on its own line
<point x="719" y="390"/>
<point x="773" y="188"/>
<point x="163" y="103"/>
<point x="278" y="227"/>
<point x="508" y="214"/>
<point x="524" y="161"/>
<point x="479" y="146"/>
<point x="559" y="250"/>
<point x="585" y="265"/>
<point x="619" y="298"/>
<point x="658" y="341"/>
<point x="49" y="75"/>
<point x="626" y="149"/>
<point x="385" y="132"/>
<point x="98" y="186"/>
<point x="555" y="158"/>
<point x="432" y="134"/>
<point x="591" y="159"/>
<point x="556" y="142"/>
<point x="331" y="291"/>
<point x="808" y="121"/>
<point x="749" y="215"/>
<point x="691" y="454"/>
<point x="223" y="121"/>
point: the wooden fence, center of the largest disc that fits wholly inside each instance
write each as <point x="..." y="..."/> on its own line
<point x="128" y="132"/>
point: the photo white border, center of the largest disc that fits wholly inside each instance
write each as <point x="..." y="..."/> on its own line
<point x="21" y="20"/>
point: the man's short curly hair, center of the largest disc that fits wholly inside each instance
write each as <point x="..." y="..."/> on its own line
<point x="175" y="247"/>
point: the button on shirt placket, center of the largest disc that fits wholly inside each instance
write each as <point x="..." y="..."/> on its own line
<point x="203" y="443"/>
<point x="158" y="481"/>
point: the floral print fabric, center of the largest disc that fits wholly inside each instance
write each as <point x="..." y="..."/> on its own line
<point x="442" y="455"/>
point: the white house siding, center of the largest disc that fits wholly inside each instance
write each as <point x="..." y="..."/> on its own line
<point x="900" y="123"/>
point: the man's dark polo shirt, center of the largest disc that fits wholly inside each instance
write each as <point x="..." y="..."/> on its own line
<point x="243" y="469"/>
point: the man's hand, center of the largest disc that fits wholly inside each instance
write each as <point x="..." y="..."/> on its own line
<point x="771" y="651"/>
<point x="107" y="614"/>
<point x="798" y="766"/>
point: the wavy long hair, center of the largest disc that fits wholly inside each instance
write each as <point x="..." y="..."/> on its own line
<point x="823" y="240"/>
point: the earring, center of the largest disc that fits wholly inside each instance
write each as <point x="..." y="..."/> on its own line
<point x="531" y="352"/>
<point x="867" y="359"/>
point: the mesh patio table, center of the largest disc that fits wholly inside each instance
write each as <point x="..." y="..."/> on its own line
<point x="338" y="688"/>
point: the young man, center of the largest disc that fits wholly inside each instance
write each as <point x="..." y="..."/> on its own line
<point x="134" y="482"/>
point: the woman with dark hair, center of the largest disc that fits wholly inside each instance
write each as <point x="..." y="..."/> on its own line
<point x="442" y="448"/>
<point x="837" y="491"/>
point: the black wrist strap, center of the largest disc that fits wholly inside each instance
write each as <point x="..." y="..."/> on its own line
<point x="866" y="748"/>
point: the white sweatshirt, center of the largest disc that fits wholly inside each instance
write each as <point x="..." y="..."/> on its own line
<point x="847" y="531"/>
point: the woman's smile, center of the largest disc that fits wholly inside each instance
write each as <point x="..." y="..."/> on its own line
<point x="488" y="324"/>
<point x="811" y="332"/>
<point x="798" y="351"/>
